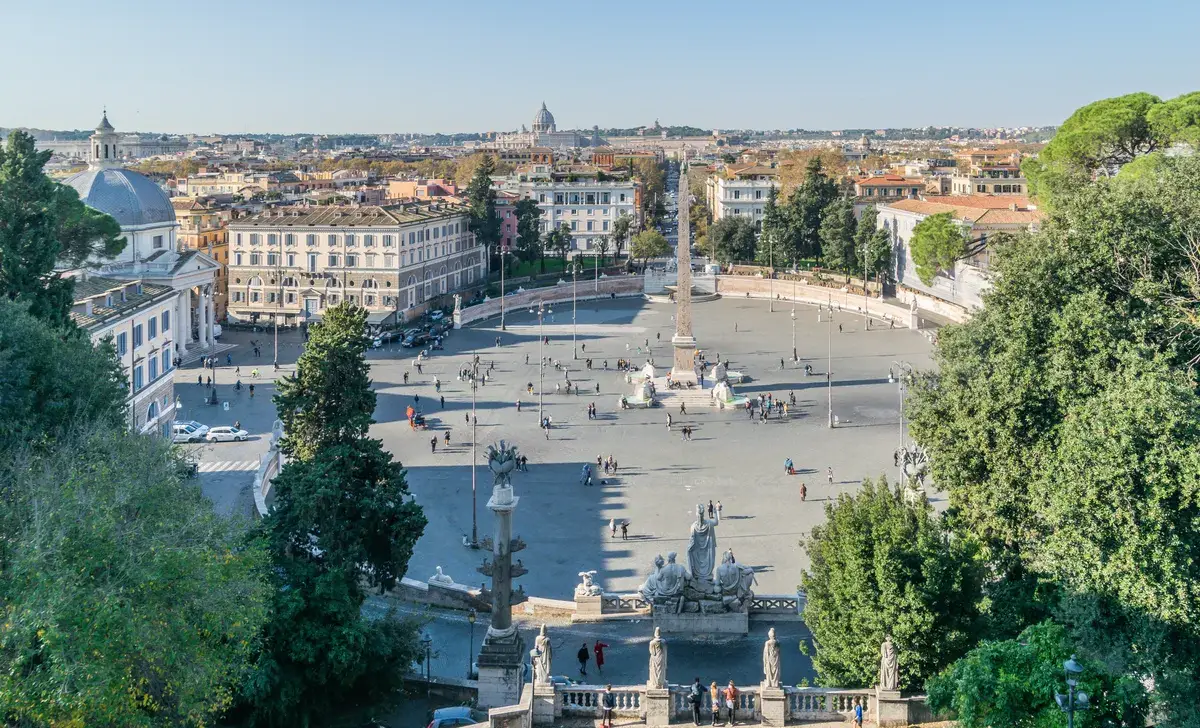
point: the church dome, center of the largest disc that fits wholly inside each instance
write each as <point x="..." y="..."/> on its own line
<point x="130" y="198"/>
<point x="543" y="121"/>
<point x="104" y="125"/>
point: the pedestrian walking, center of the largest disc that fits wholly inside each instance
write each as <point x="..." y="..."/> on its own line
<point x="406" y="377"/>
<point x="781" y="364"/>
<point x="598" y="649"/>
<point x="683" y="408"/>
<point x="608" y="701"/>
<point x="229" y="360"/>
<point x="582" y="656"/>
<point x="443" y="401"/>
<point x="612" y="528"/>
<point x="658" y="336"/>
<point x="624" y="530"/>
<point x="711" y="509"/>
<point x="858" y="713"/>
<point x="714" y="694"/>
<point x="803" y="492"/>
<point x="251" y="391"/>
<point x="839" y="328"/>
<point x="199" y="379"/>
<point x="416" y="399"/>
<point x="735" y="327"/>
<point x="731" y="696"/>
<point x="829" y="475"/>
<point x="208" y="382"/>
<point x="433" y="444"/>
<point x="695" y="699"/>
<point x="518" y="405"/>
<point x="718" y="510"/>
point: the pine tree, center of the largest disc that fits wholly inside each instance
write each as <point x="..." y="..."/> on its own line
<point x="481" y="203"/>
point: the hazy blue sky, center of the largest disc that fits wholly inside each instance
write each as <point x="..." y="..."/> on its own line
<point x="476" y="65"/>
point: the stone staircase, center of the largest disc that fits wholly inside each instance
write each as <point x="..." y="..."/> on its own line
<point x="697" y="399"/>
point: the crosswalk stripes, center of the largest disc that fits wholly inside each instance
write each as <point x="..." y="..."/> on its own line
<point x="228" y="466"/>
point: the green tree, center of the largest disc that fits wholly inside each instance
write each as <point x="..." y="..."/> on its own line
<point x="1069" y="398"/>
<point x="41" y="224"/>
<point x="937" y="241"/>
<point x="602" y="248"/>
<point x="839" y="232"/>
<point x="620" y="233"/>
<point x="774" y="234"/>
<point x="804" y="209"/>
<point x="1013" y="682"/>
<point x="481" y="202"/>
<point x="529" y="218"/>
<point x="880" y="566"/>
<point x="649" y="244"/>
<point x="329" y="398"/>
<point x="342" y="521"/>
<point x="733" y="239"/>
<point x="654" y="185"/>
<point x="873" y="242"/>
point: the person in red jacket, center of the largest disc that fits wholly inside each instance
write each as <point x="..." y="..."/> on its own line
<point x="599" y="650"/>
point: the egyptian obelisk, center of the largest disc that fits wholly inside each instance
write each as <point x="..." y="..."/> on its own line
<point x="684" y="369"/>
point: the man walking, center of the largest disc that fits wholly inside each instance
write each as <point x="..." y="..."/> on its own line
<point x="829" y="476"/>
<point x="624" y="530"/>
<point x="609" y="702"/>
<point x="858" y="713"/>
<point x="612" y="528"/>
<point x="696" y="699"/>
<point x="582" y="656"/>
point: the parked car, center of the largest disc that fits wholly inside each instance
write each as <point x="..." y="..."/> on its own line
<point x="437" y="315"/>
<point x="457" y="716"/>
<point x="190" y="431"/>
<point x="225" y="433"/>
<point x="416" y="338"/>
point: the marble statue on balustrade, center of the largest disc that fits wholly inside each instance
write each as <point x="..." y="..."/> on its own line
<point x="658" y="661"/>
<point x="771" y="661"/>
<point x="889" y="666"/>
<point x="440" y="578"/>
<point x="540" y="656"/>
<point x="736" y="583"/>
<point x="587" y="587"/>
<point x="702" y="550"/>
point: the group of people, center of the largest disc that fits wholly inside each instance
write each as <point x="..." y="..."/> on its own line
<point x="721" y="699"/>
<point x="609" y="464"/>
<point x="591" y="411"/>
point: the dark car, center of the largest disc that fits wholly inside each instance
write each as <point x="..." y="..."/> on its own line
<point x="415" y="338"/>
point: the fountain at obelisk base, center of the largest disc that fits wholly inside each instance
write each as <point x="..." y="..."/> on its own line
<point x="503" y="650"/>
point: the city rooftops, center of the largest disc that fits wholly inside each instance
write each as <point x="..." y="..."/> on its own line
<point x="345" y="216"/>
<point x="889" y="180"/>
<point x="99" y="300"/>
<point x="979" y="216"/>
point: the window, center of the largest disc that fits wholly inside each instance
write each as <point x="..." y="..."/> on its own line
<point x="351" y="260"/>
<point x="255" y="296"/>
<point x="153" y="369"/>
<point x="237" y="258"/>
<point x="606" y="225"/>
<point x="122" y="344"/>
<point x="370" y="261"/>
<point x="368" y="241"/>
<point x="272" y="238"/>
<point x="272" y="259"/>
<point x="137" y="336"/>
<point x="310" y="239"/>
<point x="332" y="240"/>
<point x="388" y="241"/>
<point x="138" y="380"/>
<point x="622" y="197"/>
<point x="291" y="260"/>
<point x="574" y="224"/>
<point x="238" y="238"/>
<point x="166" y="321"/>
<point x="152" y="328"/>
<point x="604" y="198"/>
<point x="237" y="297"/>
<point x="389" y="261"/>
<point x="291" y="298"/>
<point x="737" y="194"/>
<point x="589" y="225"/>
<point x="255" y="238"/>
<point x="333" y="299"/>
<point x="255" y="259"/>
<point x="369" y="300"/>
<point x="332" y="261"/>
<point x="435" y="234"/>
<point x="166" y="361"/>
<point x="312" y="262"/>
<point x="350" y="241"/>
<point x="289" y="239"/>
<point x="758" y="194"/>
<point x="271" y="297"/>
<point x="158" y="242"/>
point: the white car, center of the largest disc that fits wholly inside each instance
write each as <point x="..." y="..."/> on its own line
<point x="226" y="434"/>
<point x="188" y="431"/>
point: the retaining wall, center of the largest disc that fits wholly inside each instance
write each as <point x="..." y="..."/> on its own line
<point x="586" y="290"/>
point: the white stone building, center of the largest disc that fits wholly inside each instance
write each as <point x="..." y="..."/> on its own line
<point x="292" y="263"/>
<point x="588" y="207"/>
<point x="741" y="192"/>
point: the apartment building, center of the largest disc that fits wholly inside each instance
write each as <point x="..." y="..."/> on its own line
<point x="880" y="188"/>
<point x="990" y="179"/>
<point x="202" y="226"/>
<point x="290" y="264"/>
<point x="141" y="319"/>
<point x="576" y="198"/>
<point x="740" y="191"/>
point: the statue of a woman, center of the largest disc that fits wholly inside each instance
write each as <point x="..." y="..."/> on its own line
<point x="889" y="670"/>
<point x="542" y="653"/>
<point x="771" y="660"/>
<point x="658" y="661"/>
<point x="702" y="547"/>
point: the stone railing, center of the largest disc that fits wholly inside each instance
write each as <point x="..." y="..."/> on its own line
<point x="614" y="603"/>
<point x="768" y="604"/>
<point x="610" y="606"/>
<point x="586" y="289"/>
<point x="846" y="301"/>
<point x="805" y="704"/>
<point x="586" y="700"/>
<point x="747" y="703"/>
<point x="268" y="467"/>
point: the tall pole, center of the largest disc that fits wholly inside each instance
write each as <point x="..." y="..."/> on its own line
<point x="502" y="287"/>
<point x="794" y="357"/>
<point x="279" y="300"/>
<point x="829" y="361"/>
<point x="866" y="310"/>
<point x="474" y="386"/>
<point x="574" y="276"/>
<point x="771" y="256"/>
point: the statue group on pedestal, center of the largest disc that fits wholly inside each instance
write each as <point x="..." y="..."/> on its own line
<point x="700" y="588"/>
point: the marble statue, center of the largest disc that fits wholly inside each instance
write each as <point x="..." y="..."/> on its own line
<point x="501" y="460"/>
<point x="587" y="588"/>
<point x="771" y="660"/>
<point x="440" y="578"/>
<point x="672" y="577"/>
<point x="702" y="548"/>
<point x="720" y="372"/>
<point x="648" y="371"/>
<point x="658" y="661"/>
<point x="649" y="588"/>
<point x="735" y="582"/>
<point x="457" y="303"/>
<point x="541" y="655"/>
<point x="722" y="392"/>
<point x="889" y="669"/>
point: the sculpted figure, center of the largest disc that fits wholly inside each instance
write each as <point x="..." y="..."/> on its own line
<point x="889" y="668"/>
<point x="702" y="548"/>
<point x="771" y="661"/>
<point x="672" y="578"/>
<point x="658" y="661"/>
<point x="587" y="587"/>
<point x="542" y="653"/>
<point x="733" y="578"/>
<point x="650" y="589"/>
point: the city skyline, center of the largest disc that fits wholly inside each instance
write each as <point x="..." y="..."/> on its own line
<point x="295" y="68"/>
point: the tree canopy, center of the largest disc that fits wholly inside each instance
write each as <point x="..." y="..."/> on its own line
<point x="649" y="244"/>
<point x="43" y="223"/>
<point x="733" y="239"/>
<point x="805" y="207"/>
<point x="529" y="217"/>
<point x="937" y="241"/>
<point x="481" y="202"/>
<point x="839" y="232"/>
<point x="881" y="566"/>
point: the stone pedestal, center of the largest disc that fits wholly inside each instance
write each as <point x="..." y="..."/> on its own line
<point x="589" y="606"/>
<point x="890" y="708"/>
<point x="501" y="664"/>
<point x="544" y="708"/>
<point x="773" y="705"/>
<point x="684" y="365"/>
<point x="657" y="702"/>
<point x="699" y="624"/>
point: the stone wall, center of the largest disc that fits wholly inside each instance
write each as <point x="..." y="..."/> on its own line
<point x="586" y="290"/>
<point x="927" y="302"/>
<point x="784" y="290"/>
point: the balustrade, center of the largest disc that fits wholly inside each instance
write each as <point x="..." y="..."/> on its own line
<point x="816" y="703"/>
<point x="589" y="700"/>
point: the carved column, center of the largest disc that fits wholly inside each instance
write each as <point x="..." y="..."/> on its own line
<point x="502" y="654"/>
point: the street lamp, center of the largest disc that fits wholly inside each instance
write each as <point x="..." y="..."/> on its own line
<point x="427" y="646"/>
<point x="212" y="395"/>
<point x="471" y="650"/>
<point x="541" y="311"/>
<point x="903" y="368"/>
<point x="502" y="251"/>
<point x="866" y="310"/>
<point x="474" y="386"/>
<point x="1073" y="700"/>
<point x="829" y="360"/>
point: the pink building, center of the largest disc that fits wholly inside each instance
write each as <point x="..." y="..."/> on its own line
<point x="508" y="218"/>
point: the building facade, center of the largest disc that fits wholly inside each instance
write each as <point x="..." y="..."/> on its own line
<point x="740" y="192"/>
<point x="290" y="264"/>
<point x="587" y="208"/>
<point x="202" y="226"/>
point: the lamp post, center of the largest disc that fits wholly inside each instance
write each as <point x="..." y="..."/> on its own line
<point x="1073" y="700"/>
<point x="502" y="251"/>
<point x="427" y="646"/>
<point x="279" y="295"/>
<point x="474" y="386"/>
<point x="574" y="280"/>
<point x="829" y="360"/>
<point x="541" y="311"/>
<point x="794" y="357"/>
<point x="902" y="368"/>
<point x="471" y="649"/>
